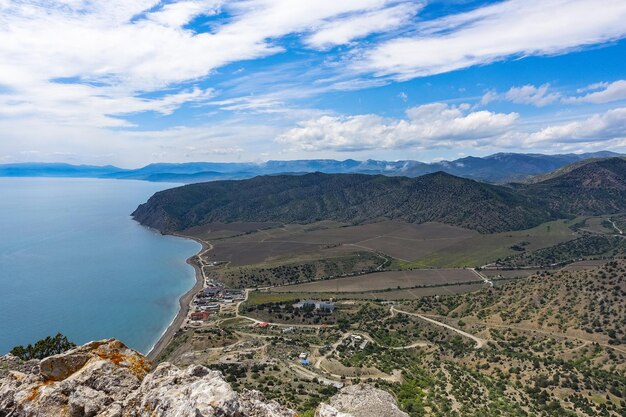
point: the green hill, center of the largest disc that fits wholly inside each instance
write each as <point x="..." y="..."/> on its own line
<point x="346" y="198"/>
<point x="595" y="187"/>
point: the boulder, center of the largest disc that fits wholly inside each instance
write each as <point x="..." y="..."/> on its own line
<point x="360" y="400"/>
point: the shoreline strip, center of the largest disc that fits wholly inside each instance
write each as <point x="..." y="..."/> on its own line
<point x="184" y="302"/>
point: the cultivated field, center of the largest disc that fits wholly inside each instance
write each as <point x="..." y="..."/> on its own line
<point x="248" y="253"/>
<point x="224" y="230"/>
<point x="416" y="293"/>
<point x="379" y="281"/>
<point x="484" y="249"/>
<point x="584" y="265"/>
<point x="397" y="239"/>
<point x="400" y="240"/>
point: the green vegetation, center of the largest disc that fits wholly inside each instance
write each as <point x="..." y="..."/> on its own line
<point x="597" y="187"/>
<point x="51" y="345"/>
<point x="293" y="272"/>
<point x="345" y="198"/>
<point x="591" y="188"/>
<point x="563" y="253"/>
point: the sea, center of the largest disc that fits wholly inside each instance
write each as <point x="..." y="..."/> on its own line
<point x="72" y="260"/>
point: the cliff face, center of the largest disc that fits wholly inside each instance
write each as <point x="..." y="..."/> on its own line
<point x="107" y="379"/>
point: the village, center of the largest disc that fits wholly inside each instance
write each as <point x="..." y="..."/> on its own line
<point x="211" y="300"/>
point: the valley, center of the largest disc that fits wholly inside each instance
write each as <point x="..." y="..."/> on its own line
<point x="451" y="321"/>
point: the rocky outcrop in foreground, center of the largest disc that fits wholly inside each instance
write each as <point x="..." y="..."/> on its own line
<point x="361" y="401"/>
<point x="107" y="379"/>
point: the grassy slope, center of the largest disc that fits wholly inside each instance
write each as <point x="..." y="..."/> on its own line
<point x="481" y="250"/>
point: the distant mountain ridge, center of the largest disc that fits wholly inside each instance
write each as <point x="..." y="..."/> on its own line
<point x="497" y="168"/>
<point x="596" y="187"/>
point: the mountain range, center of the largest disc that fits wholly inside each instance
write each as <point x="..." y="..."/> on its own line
<point x="597" y="187"/>
<point x="497" y="168"/>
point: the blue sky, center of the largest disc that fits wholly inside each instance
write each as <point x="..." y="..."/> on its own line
<point x="139" y="81"/>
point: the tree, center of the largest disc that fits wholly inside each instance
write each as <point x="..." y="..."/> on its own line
<point x="43" y="348"/>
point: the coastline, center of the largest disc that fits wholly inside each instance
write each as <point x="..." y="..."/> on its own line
<point x="184" y="303"/>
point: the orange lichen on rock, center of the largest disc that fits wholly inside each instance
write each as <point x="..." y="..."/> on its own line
<point x="34" y="392"/>
<point x="116" y="352"/>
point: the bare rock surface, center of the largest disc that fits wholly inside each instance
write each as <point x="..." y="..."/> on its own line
<point x="107" y="379"/>
<point x="360" y="400"/>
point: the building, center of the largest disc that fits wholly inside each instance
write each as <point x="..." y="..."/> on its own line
<point x="305" y="362"/>
<point x="211" y="292"/>
<point x="303" y="355"/>
<point x="199" y="315"/>
<point x="263" y="324"/>
<point x="322" y="306"/>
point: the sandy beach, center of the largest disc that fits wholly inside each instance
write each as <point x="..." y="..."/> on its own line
<point x="184" y="301"/>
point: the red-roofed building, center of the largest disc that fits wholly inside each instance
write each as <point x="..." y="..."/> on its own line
<point x="199" y="315"/>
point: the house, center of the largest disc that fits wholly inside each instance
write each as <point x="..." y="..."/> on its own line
<point x="263" y="324"/>
<point x="212" y="292"/>
<point x="199" y="315"/>
<point x="303" y="355"/>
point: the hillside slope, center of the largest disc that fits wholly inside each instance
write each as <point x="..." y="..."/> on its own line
<point x="595" y="187"/>
<point x="589" y="304"/>
<point x="346" y="198"/>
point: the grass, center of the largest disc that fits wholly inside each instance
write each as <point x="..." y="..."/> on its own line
<point x="484" y="249"/>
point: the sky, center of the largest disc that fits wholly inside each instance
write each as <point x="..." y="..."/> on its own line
<point x="132" y="82"/>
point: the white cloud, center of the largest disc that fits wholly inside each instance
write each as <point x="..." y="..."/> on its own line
<point x="495" y="32"/>
<point x="41" y="140"/>
<point x="441" y="126"/>
<point x="527" y="94"/>
<point x="110" y="54"/>
<point x="436" y="125"/>
<point x="606" y="93"/>
<point x="84" y="105"/>
<point x="489" y="97"/>
<point x="343" y="31"/>
<point x="179" y="14"/>
<point x="601" y="129"/>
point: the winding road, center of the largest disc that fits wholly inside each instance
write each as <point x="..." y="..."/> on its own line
<point x="479" y="342"/>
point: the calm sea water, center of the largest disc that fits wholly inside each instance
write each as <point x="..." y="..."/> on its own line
<point x="73" y="261"/>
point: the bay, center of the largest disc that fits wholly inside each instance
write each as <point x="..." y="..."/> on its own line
<point x="73" y="261"/>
